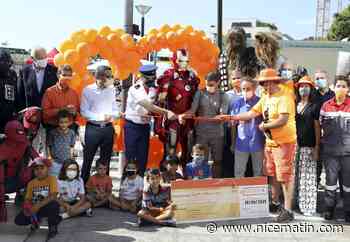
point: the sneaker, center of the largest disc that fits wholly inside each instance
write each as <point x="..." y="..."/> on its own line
<point x="52" y="232"/>
<point x="329" y="214"/>
<point x="274" y="207"/>
<point x="88" y="212"/>
<point x="284" y="216"/>
<point x="347" y="217"/>
<point x="169" y="223"/>
<point x="142" y="222"/>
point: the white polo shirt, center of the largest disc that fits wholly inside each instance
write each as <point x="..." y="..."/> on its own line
<point x="135" y="112"/>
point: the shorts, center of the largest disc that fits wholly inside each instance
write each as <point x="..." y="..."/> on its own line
<point x="279" y="162"/>
<point x="92" y="198"/>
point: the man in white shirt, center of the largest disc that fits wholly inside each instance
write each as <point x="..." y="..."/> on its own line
<point x="100" y="106"/>
<point x="139" y="105"/>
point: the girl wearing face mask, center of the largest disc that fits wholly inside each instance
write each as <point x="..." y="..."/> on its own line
<point x="308" y="137"/>
<point x="72" y="192"/>
<point x="130" y="194"/>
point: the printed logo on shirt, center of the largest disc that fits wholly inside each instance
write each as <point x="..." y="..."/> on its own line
<point x="40" y="193"/>
<point x="9" y="92"/>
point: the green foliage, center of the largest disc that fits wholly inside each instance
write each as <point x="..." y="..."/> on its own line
<point x="340" y="27"/>
<point x="265" y="24"/>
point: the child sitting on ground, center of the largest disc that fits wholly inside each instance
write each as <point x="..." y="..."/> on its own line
<point x="99" y="187"/>
<point x="171" y="173"/>
<point x="41" y="199"/>
<point x="198" y="168"/>
<point x="71" y="191"/>
<point x="156" y="205"/>
<point x="131" y="188"/>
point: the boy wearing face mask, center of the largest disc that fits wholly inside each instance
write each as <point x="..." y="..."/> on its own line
<point x="210" y="103"/>
<point x="335" y="152"/>
<point x="198" y="168"/>
<point x="71" y="192"/>
<point x="249" y="139"/>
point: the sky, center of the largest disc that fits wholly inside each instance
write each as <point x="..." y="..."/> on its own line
<point x="28" y="23"/>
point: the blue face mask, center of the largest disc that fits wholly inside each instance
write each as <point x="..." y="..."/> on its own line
<point x="321" y="83"/>
<point x="198" y="159"/>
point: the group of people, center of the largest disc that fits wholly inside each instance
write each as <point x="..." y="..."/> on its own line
<point x="274" y="125"/>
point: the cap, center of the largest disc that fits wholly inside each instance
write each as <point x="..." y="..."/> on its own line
<point x="305" y="80"/>
<point x="148" y="70"/>
<point x="268" y="75"/>
<point x="172" y="159"/>
<point x="213" y="76"/>
<point x="101" y="70"/>
<point x="40" y="161"/>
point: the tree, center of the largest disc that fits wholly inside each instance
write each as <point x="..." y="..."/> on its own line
<point x="265" y="24"/>
<point x="340" y="27"/>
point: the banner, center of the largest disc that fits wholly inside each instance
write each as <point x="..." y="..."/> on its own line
<point x="220" y="199"/>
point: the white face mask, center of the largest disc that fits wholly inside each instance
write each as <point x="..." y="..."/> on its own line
<point x="71" y="174"/>
<point x="41" y="63"/>
<point x="211" y="89"/>
<point x="287" y="74"/>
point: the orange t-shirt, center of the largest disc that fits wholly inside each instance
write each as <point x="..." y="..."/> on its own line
<point x="270" y="107"/>
<point x="54" y="99"/>
<point x="100" y="183"/>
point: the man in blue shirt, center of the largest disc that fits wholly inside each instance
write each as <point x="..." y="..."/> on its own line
<point x="198" y="168"/>
<point x="249" y="139"/>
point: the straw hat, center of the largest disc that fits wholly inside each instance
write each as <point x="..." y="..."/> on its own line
<point x="305" y="80"/>
<point x="268" y="75"/>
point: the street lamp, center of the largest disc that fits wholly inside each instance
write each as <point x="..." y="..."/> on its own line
<point x="143" y="10"/>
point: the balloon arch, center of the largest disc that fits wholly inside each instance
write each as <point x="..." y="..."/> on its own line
<point x="124" y="56"/>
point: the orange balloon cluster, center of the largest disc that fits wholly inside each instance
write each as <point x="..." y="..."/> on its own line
<point x="203" y="52"/>
<point x="115" y="46"/>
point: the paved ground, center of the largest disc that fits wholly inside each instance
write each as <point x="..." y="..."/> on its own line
<point x="108" y="226"/>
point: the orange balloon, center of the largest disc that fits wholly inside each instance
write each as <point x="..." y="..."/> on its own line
<point x="115" y="40"/>
<point x="66" y="45"/>
<point x="153" y="31"/>
<point x="188" y="29"/>
<point x="155" y="153"/>
<point x="78" y="36"/>
<point x="83" y="49"/>
<point x="59" y="59"/>
<point x="127" y="40"/>
<point x="71" y="57"/>
<point x="104" y="31"/>
<point x="176" y="27"/>
<point x="119" y="32"/>
<point x="90" y="35"/>
<point x="165" y="28"/>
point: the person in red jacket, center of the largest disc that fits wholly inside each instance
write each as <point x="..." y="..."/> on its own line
<point x="177" y="87"/>
<point x="15" y="152"/>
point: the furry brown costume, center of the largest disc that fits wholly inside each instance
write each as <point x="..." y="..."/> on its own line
<point x="266" y="49"/>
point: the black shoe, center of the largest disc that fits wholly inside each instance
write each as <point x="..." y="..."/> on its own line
<point x="141" y="222"/>
<point x="169" y="223"/>
<point x="284" y="216"/>
<point x="329" y="214"/>
<point x="347" y="217"/>
<point x="34" y="227"/>
<point x="52" y="232"/>
<point x="274" y="208"/>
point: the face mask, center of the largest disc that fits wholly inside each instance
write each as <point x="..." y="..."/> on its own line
<point x="211" y="89"/>
<point x="130" y="173"/>
<point x="321" y="83"/>
<point x="247" y="94"/>
<point x="64" y="82"/>
<point x="304" y="91"/>
<point x="41" y="63"/>
<point x="340" y="93"/>
<point x="287" y="74"/>
<point x="198" y="159"/>
<point x="71" y="174"/>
